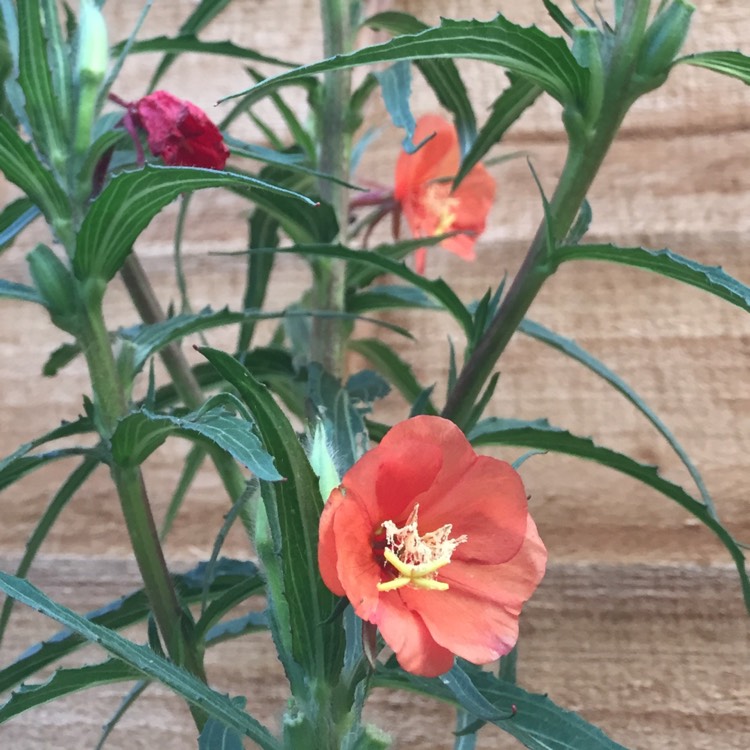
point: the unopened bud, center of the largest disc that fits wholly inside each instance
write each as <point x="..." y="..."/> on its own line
<point x="93" y="48"/>
<point x="56" y="286"/>
<point x="664" y="39"/>
<point x="91" y="67"/>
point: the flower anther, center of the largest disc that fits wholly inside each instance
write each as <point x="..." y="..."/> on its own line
<point x="416" y="558"/>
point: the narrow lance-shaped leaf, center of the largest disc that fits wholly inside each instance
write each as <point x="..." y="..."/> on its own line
<point x="42" y="104"/>
<point x="569" y="347"/>
<point x="389" y="364"/>
<point x="441" y="75"/>
<point x="189" y="43"/>
<point x="51" y="513"/>
<point x="528" y="51"/>
<point x="506" y="109"/>
<point x="129" y="202"/>
<point x="141" y="433"/>
<point x="145" y="661"/>
<point x="65" y="682"/>
<point x="14" y="290"/>
<point x="21" y="167"/>
<point x="131" y="609"/>
<point x="540" y="435"/>
<point x="728" y="62"/>
<point x="14" y="218"/>
<point x="711" y="279"/>
<point x="537" y="722"/>
<point x="315" y="636"/>
<point x="436" y="288"/>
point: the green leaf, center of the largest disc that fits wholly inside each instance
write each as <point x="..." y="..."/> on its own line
<point x="129" y="700"/>
<point x="59" y="358"/>
<point x="360" y="275"/>
<point x="217" y="736"/>
<point x="19" y="463"/>
<point x="145" y="661"/>
<point x="293" y="508"/>
<point x="540" y="435"/>
<point x="389" y="296"/>
<point x="127" y="611"/>
<point x="441" y="75"/>
<point x="573" y="350"/>
<point x="343" y="423"/>
<point x="389" y="364"/>
<point x="139" y="434"/>
<point x="506" y="109"/>
<point x="64" y="682"/>
<point x="51" y="513"/>
<point x="300" y="135"/>
<point x="306" y="222"/>
<point x="559" y="17"/>
<point x="21" y="167"/>
<point x="42" y="106"/>
<point x="542" y="59"/>
<point x="727" y="62"/>
<point x="129" y="202"/>
<point x="395" y="85"/>
<point x="14" y="290"/>
<point x="537" y="723"/>
<point x="711" y="279"/>
<point x="15" y="217"/>
<point x="264" y="232"/>
<point x="190" y="43"/>
<point x="436" y="288"/>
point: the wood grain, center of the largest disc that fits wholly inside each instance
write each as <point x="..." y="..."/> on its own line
<point x="639" y="624"/>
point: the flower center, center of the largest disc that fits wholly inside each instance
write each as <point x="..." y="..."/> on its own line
<point x="441" y="205"/>
<point x="415" y="558"/>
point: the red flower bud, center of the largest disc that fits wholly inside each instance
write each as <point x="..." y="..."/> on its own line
<point x="179" y="132"/>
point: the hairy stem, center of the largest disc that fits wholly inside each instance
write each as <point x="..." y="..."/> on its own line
<point x="339" y="19"/>
<point x="111" y="405"/>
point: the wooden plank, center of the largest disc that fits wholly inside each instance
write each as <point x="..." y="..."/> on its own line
<point x="657" y="655"/>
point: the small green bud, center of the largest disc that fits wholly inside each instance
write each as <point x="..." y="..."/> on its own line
<point x="91" y="68"/>
<point x="664" y="39"/>
<point x="57" y="287"/>
<point x="322" y="462"/>
<point x="93" y="48"/>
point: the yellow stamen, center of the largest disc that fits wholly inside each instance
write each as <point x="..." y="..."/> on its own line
<point x="417" y="558"/>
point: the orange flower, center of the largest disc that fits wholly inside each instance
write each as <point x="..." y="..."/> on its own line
<point x="423" y="190"/>
<point x="434" y="545"/>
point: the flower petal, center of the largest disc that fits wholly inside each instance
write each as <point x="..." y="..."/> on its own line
<point x="486" y="502"/>
<point x="439" y="157"/>
<point x="405" y="632"/>
<point x="356" y="568"/>
<point x="477" y="617"/>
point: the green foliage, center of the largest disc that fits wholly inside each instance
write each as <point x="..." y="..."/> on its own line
<point x="527" y="51"/>
<point x="66" y="156"/>
<point x="142" y="432"/>
<point x="729" y="63"/>
<point x="129" y="202"/>
<point x="293" y="509"/>
<point x="536" y="722"/>
<point x="442" y="76"/>
<point x="711" y="279"/>
<point x="144" y="661"/>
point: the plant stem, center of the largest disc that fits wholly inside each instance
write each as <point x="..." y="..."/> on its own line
<point x="339" y="19"/>
<point x="589" y="145"/>
<point x="111" y="405"/>
<point x="148" y="307"/>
